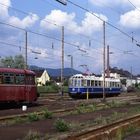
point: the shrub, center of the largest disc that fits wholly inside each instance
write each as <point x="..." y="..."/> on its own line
<point x="47" y="114"/>
<point x="33" y="116"/>
<point x="61" y="125"/>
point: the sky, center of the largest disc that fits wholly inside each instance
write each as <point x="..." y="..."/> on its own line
<point x="83" y="32"/>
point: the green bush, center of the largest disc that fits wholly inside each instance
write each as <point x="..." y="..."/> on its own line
<point x="48" y="89"/>
<point x="47" y="114"/>
<point x="33" y="117"/>
<point x="61" y="125"/>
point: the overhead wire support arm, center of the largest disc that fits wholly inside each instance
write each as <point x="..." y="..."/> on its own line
<point x="64" y="2"/>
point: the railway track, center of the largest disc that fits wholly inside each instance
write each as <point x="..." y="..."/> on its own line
<point x="56" y="112"/>
<point x="67" y="106"/>
<point x="107" y="132"/>
<point x="12" y="117"/>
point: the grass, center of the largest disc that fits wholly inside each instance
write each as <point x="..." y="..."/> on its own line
<point x="33" y="117"/>
<point x="32" y="135"/>
<point x="47" y="114"/>
<point x="61" y="125"/>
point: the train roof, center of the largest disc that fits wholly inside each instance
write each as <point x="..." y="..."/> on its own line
<point x="93" y="77"/>
<point x="19" y="71"/>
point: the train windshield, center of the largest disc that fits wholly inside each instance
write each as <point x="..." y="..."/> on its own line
<point x="75" y="82"/>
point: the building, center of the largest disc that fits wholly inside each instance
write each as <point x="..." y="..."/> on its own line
<point x="43" y="78"/>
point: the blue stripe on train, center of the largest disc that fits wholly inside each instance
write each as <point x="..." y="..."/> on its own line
<point x="93" y="90"/>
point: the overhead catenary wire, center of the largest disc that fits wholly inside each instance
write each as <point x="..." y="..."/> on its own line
<point x="25" y="13"/>
<point x="82" y="9"/>
<point x="133" y="5"/>
<point x="77" y="46"/>
<point x="19" y="46"/>
<point x="113" y="26"/>
<point x="44" y="35"/>
<point x="48" y="21"/>
<point x="60" y="26"/>
<point x="56" y="25"/>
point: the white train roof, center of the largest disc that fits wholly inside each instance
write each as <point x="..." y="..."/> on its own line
<point x="93" y="77"/>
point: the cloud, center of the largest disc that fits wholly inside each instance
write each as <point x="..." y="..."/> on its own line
<point x="23" y="23"/>
<point x="131" y="17"/>
<point x="4" y="9"/>
<point x="87" y="26"/>
<point x="103" y="3"/>
<point x="134" y="2"/>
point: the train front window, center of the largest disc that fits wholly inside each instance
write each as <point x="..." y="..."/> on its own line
<point x="30" y="80"/>
<point x="78" y="82"/>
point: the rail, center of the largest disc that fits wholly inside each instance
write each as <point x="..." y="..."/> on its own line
<point x="109" y="131"/>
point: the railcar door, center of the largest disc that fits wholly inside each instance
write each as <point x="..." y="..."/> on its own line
<point x="30" y="88"/>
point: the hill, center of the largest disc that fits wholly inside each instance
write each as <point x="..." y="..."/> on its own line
<point x="55" y="72"/>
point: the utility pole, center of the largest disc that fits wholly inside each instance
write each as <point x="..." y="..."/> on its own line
<point x="25" y="67"/>
<point x="104" y="96"/>
<point x="108" y="65"/>
<point x="62" y="61"/>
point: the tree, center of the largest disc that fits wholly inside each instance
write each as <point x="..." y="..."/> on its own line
<point x="16" y="62"/>
<point x="19" y="61"/>
<point x="8" y="62"/>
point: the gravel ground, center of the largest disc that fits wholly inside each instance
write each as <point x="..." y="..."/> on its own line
<point x="46" y="127"/>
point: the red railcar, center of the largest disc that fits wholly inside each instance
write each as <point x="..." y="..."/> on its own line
<point x="17" y="85"/>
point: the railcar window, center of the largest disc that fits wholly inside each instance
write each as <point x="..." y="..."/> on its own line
<point x="113" y="84"/>
<point x="88" y="82"/>
<point x="96" y="84"/>
<point x="99" y="83"/>
<point x="83" y="83"/>
<point x="20" y="79"/>
<point x="106" y="84"/>
<point x="92" y="83"/>
<point x="74" y="82"/>
<point x="17" y="79"/>
<point x="118" y="84"/>
<point x="78" y="82"/>
<point x="30" y="79"/>
<point x="1" y="79"/>
<point x="9" y="78"/>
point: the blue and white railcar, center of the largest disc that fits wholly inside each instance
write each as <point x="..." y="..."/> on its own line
<point x="81" y="85"/>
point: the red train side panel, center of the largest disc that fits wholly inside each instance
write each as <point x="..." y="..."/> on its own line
<point x="17" y="85"/>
